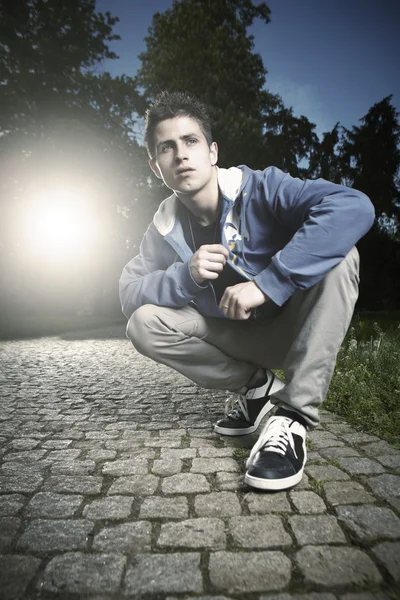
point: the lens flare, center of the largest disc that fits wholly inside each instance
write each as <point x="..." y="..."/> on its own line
<point x="60" y="224"/>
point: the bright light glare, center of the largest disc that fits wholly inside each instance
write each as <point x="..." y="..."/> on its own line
<point x="60" y="223"/>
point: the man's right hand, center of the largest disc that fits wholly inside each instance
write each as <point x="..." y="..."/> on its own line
<point x="207" y="262"/>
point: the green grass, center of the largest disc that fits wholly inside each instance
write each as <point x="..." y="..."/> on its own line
<point x="365" y="388"/>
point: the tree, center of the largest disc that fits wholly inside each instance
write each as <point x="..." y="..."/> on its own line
<point x="325" y="160"/>
<point x="287" y="139"/>
<point x="214" y="59"/>
<point x="371" y="156"/>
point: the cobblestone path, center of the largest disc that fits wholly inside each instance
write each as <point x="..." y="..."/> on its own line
<point x="113" y="485"/>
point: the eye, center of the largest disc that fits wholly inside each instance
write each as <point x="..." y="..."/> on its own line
<point x="192" y="141"/>
<point x="166" y="148"/>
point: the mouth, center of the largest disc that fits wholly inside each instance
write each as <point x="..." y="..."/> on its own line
<point x="184" y="171"/>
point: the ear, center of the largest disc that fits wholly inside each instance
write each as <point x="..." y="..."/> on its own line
<point x="154" y="167"/>
<point x="214" y="153"/>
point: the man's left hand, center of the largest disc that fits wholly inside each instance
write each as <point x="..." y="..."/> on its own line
<point x="239" y="300"/>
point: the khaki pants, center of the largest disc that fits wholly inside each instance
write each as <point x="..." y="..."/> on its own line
<point x="303" y="341"/>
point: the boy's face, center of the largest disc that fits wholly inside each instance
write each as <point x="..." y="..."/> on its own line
<point x="183" y="159"/>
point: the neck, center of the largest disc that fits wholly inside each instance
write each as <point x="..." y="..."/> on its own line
<point x="203" y="204"/>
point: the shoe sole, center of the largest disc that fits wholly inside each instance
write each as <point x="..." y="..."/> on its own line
<point x="245" y="431"/>
<point x="273" y="485"/>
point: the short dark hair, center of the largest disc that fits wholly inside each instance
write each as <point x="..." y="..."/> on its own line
<point x="168" y="105"/>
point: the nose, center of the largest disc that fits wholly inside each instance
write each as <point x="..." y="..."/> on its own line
<point x="181" y="153"/>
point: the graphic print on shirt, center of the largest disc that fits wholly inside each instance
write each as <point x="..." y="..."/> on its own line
<point x="234" y="239"/>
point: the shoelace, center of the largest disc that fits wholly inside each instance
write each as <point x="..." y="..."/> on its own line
<point x="275" y="437"/>
<point x="236" y="407"/>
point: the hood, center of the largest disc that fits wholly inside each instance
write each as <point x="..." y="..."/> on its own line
<point x="229" y="183"/>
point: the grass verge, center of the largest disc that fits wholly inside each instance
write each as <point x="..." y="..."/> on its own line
<point x="365" y="388"/>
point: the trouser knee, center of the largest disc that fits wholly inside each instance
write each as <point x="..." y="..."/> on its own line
<point x="139" y="329"/>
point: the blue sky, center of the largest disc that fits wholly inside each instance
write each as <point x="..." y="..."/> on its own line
<point x="329" y="60"/>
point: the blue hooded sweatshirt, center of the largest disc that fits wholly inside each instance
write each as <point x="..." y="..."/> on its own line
<point x="282" y="232"/>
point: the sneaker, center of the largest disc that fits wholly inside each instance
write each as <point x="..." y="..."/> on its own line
<point x="277" y="459"/>
<point x="244" y="412"/>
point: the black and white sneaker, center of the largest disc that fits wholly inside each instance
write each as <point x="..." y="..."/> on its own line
<point x="277" y="459"/>
<point x="244" y="412"/>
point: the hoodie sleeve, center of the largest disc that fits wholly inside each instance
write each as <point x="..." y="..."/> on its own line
<point x="147" y="279"/>
<point x="327" y="220"/>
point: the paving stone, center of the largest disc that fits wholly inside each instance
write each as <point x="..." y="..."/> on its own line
<point x="258" y="532"/>
<point x="139" y="485"/>
<point x="164" y="573"/>
<point x="135" y="453"/>
<point x="248" y="572"/>
<point x="14" y="468"/>
<point x="385" y="486"/>
<point x="203" y="442"/>
<point x="267" y="503"/>
<point x="388" y="554"/>
<point x="216" y="452"/>
<point x="380" y="448"/>
<point x="193" y="533"/>
<point x="392" y="461"/>
<point x="201" y="598"/>
<point x="8" y="531"/>
<point x="217" y="504"/>
<point x="339" y="452"/>
<point x="24" y="444"/>
<point x="53" y="506"/>
<point x="20" y="482"/>
<point x="394" y="502"/>
<point x="316" y="529"/>
<point x="57" y="535"/>
<point x="346" y="492"/>
<point x="111" y="507"/>
<point x="359" y="438"/>
<point x="212" y="465"/>
<point x="370" y="522"/>
<point x="56" y="444"/>
<point x="167" y="453"/>
<point x="25" y="456"/>
<point x="310" y="596"/>
<point x="329" y="566"/>
<point x="167" y="466"/>
<point x="185" y="483"/>
<point x="329" y="442"/>
<point x="326" y="473"/>
<point x="126" y="467"/>
<point x="119" y="445"/>
<point x="162" y="443"/>
<point x="366" y="596"/>
<point x="64" y="455"/>
<point x="127" y="538"/>
<point x="100" y="455"/>
<point x="164" y="508"/>
<point x="16" y="573"/>
<point x="10" y="505"/>
<point x="89" y="485"/>
<point x="339" y="428"/>
<point x="313" y="456"/>
<point x="308" y="502"/>
<point x="78" y="573"/>
<point x="229" y="481"/>
<point x="75" y="467"/>
<point x="304" y="483"/>
<point x="360" y="466"/>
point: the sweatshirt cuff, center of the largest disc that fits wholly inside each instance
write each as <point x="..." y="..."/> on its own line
<point x="188" y="285"/>
<point x="278" y="287"/>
